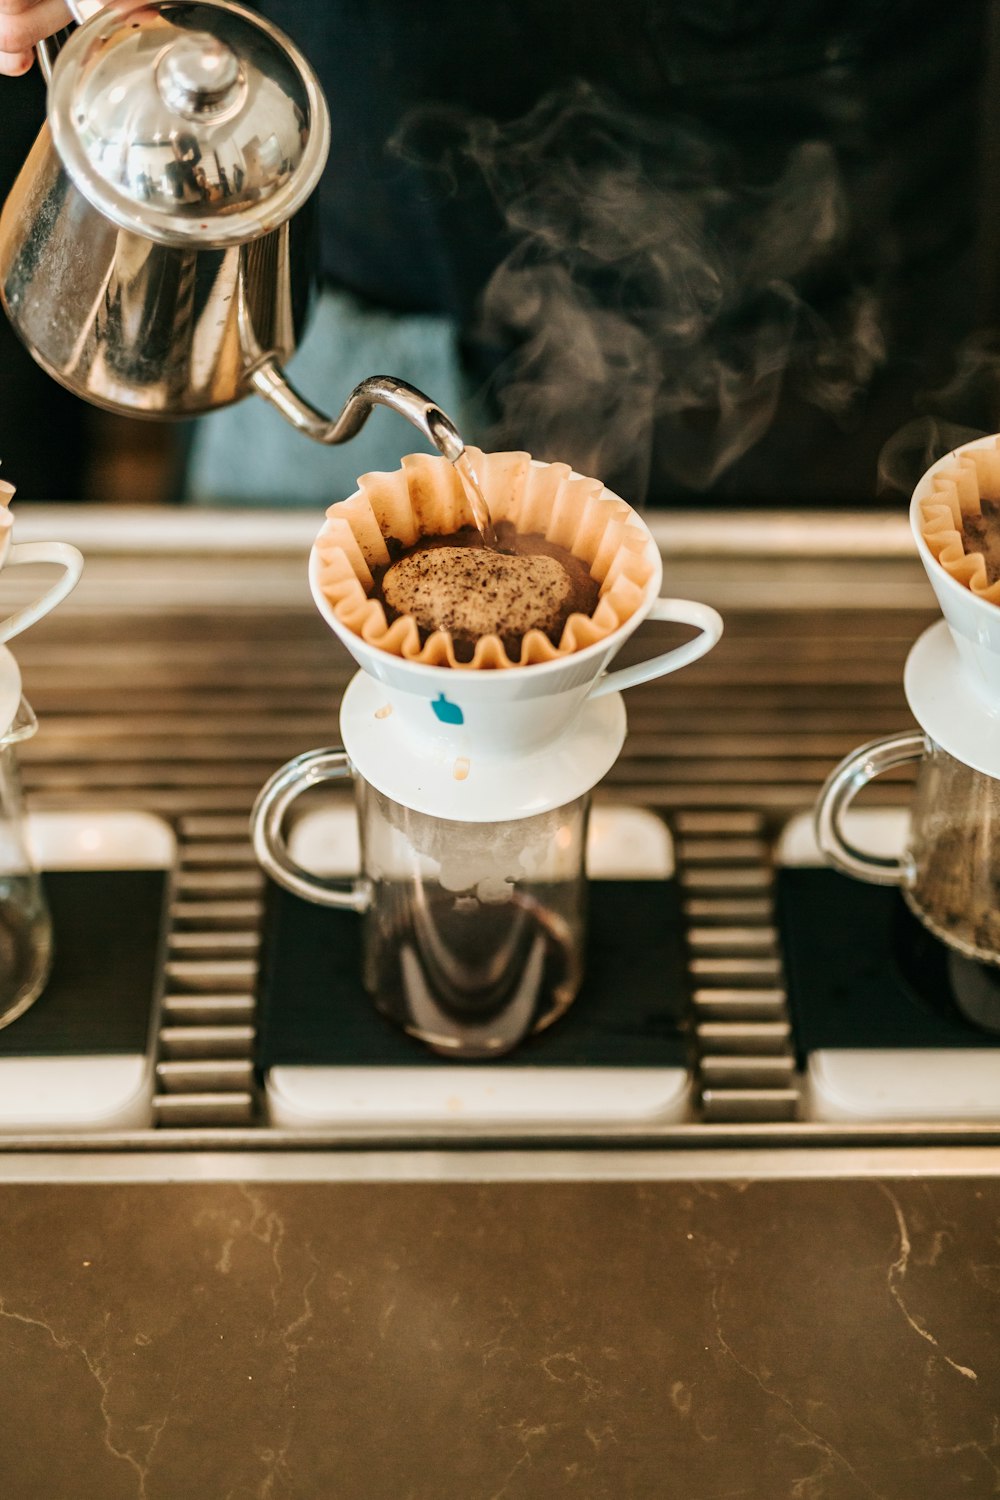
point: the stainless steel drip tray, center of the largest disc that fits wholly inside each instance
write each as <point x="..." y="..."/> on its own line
<point x="754" y="1081"/>
<point x="190" y="663"/>
<point x="249" y="1158"/>
<point x="863" y="1000"/>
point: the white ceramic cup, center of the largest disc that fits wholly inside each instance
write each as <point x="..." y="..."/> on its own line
<point x="514" y="710"/>
<point x="59" y="554"/>
<point x="974" y="623"/>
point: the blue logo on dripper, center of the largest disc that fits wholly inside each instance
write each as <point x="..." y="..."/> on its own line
<point x="447" y="712"/>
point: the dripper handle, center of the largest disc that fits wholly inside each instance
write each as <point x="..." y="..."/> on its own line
<point x="61" y="555"/>
<point x="842" y="786"/>
<point x="270" y="381"/>
<point x="677" y="612"/>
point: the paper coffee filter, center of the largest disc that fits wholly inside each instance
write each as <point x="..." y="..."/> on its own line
<point x="425" y="497"/>
<point x="959" y="492"/>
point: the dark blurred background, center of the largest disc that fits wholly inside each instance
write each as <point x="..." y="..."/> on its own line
<point x="771" y="123"/>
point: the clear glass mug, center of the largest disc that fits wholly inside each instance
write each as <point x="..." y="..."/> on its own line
<point x="473" y="932"/>
<point x="25" y="923"/>
<point x="949" y="873"/>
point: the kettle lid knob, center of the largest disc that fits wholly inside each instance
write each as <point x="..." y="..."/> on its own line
<point x="199" y="75"/>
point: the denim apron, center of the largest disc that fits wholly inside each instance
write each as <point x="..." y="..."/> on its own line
<point x="249" y="455"/>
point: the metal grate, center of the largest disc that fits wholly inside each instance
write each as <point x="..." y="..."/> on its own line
<point x="150" y="698"/>
<point x="745" y="1062"/>
<point x="205" y="1070"/>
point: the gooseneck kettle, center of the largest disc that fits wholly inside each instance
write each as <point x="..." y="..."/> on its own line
<point x="157" y="249"/>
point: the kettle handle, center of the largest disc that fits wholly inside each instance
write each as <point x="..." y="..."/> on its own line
<point x="49" y="47"/>
<point x="270" y="381"/>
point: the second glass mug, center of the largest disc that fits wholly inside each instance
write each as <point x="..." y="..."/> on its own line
<point x="473" y="932"/>
<point x="949" y="874"/>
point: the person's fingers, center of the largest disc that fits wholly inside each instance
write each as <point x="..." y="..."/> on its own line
<point x="22" y="27"/>
<point x="22" y="7"/>
<point x="13" y="64"/>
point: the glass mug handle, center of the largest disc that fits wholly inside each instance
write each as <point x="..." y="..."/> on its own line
<point x="295" y="777"/>
<point x="676" y="612"/>
<point x="63" y="555"/>
<point x="842" y="786"/>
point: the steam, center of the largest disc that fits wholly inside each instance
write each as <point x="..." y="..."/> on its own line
<point x="649" y="292"/>
<point x="910" y="452"/>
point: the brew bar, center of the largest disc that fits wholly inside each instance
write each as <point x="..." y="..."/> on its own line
<point x="212" y="709"/>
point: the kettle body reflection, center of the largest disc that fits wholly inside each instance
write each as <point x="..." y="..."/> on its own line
<point x="140" y="327"/>
<point x="158" y="249"/>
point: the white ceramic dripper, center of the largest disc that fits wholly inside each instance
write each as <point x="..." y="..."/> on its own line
<point x="506" y="743"/>
<point x="974" y="623"/>
<point x="952" y="677"/>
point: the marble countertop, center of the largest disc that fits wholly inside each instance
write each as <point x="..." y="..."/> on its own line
<point x="812" y="1339"/>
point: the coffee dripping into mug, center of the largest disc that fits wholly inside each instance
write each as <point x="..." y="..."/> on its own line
<point x="473" y="791"/>
<point x="157" y="249"/>
<point x="949" y="872"/>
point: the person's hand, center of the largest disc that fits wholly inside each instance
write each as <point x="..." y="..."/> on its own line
<point x="22" y="24"/>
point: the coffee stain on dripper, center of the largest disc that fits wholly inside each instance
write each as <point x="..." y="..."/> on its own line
<point x="384" y="711"/>
<point x="461" y="768"/>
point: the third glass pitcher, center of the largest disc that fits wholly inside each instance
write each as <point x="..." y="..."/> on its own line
<point x="949" y="873"/>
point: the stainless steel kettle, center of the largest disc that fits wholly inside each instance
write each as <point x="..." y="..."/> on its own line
<point x="157" y="249"/>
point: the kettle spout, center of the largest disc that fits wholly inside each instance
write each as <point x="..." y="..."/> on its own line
<point x="269" y="380"/>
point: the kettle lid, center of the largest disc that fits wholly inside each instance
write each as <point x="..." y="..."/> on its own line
<point x="193" y="124"/>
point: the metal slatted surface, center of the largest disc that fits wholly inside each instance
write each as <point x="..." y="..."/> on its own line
<point x="205" y="1072"/>
<point x="746" y="1067"/>
<point x="149" y="699"/>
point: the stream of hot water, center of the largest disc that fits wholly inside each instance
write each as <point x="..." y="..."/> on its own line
<point x="476" y="498"/>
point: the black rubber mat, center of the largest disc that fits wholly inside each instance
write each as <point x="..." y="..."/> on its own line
<point x="107" y="927"/>
<point x="631" y="1009"/>
<point x="863" y="972"/>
